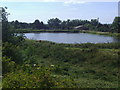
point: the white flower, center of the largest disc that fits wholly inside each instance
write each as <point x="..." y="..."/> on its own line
<point x="34" y="64"/>
<point x="52" y="65"/>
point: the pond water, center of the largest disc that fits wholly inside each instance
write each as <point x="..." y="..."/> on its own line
<point x="71" y="37"/>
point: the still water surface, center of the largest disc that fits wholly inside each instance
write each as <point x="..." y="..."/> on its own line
<point x="70" y="37"/>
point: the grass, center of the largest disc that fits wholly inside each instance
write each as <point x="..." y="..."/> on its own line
<point x="68" y="31"/>
<point x="32" y="31"/>
<point x="69" y="65"/>
<point x="101" y="33"/>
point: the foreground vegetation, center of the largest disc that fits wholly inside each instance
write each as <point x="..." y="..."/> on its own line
<point x="33" y="64"/>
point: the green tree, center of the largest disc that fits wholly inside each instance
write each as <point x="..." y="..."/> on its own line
<point x="116" y="25"/>
<point x="63" y="25"/>
<point x="38" y="25"/>
<point x="54" y="23"/>
<point x="94" y="22"/>
<point x="16" y="24"/>
<point x="6" y="31"/>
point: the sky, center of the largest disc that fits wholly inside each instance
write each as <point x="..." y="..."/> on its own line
<point x="119" y="9"/>
<point x="64" y="9"/>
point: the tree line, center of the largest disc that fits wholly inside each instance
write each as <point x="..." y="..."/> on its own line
<point x="56" y="23"/>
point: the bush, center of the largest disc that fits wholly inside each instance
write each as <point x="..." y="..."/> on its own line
<point x="8" y="65"/>
<point x="22" y="79"/>
<point x="14" y="52"/>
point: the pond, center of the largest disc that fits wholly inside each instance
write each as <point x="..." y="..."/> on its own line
<point x="71" y="38"/>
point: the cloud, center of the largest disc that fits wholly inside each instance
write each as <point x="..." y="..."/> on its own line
<point x="64" y="1"/>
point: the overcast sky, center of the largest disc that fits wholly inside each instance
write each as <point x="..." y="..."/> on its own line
<point x="62" y="9"/>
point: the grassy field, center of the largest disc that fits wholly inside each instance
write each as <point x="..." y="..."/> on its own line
<point x="51" y="65"/>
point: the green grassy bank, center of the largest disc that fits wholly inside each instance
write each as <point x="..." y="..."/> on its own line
<point x="101" y="33"/>
<point x="68" y="31"/>
<point x="32" y="31"/>
<point x="34" y="64"/>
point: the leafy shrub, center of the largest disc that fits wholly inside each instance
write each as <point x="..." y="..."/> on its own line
<point x="8" y="65"/>
<point x="22" y="79"/>
<point x="14" y="52"/>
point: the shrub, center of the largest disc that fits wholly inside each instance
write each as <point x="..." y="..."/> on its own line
<point x="14" y="52"/>
<point x="22" y="79"/>
<point x="8" y="65"/>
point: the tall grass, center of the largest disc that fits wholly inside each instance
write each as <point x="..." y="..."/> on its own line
<point x="50" y="65"/>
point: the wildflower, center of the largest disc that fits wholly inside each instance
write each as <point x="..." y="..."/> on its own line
<point x="52" y="65"/>
<point x="34" y="65"/>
